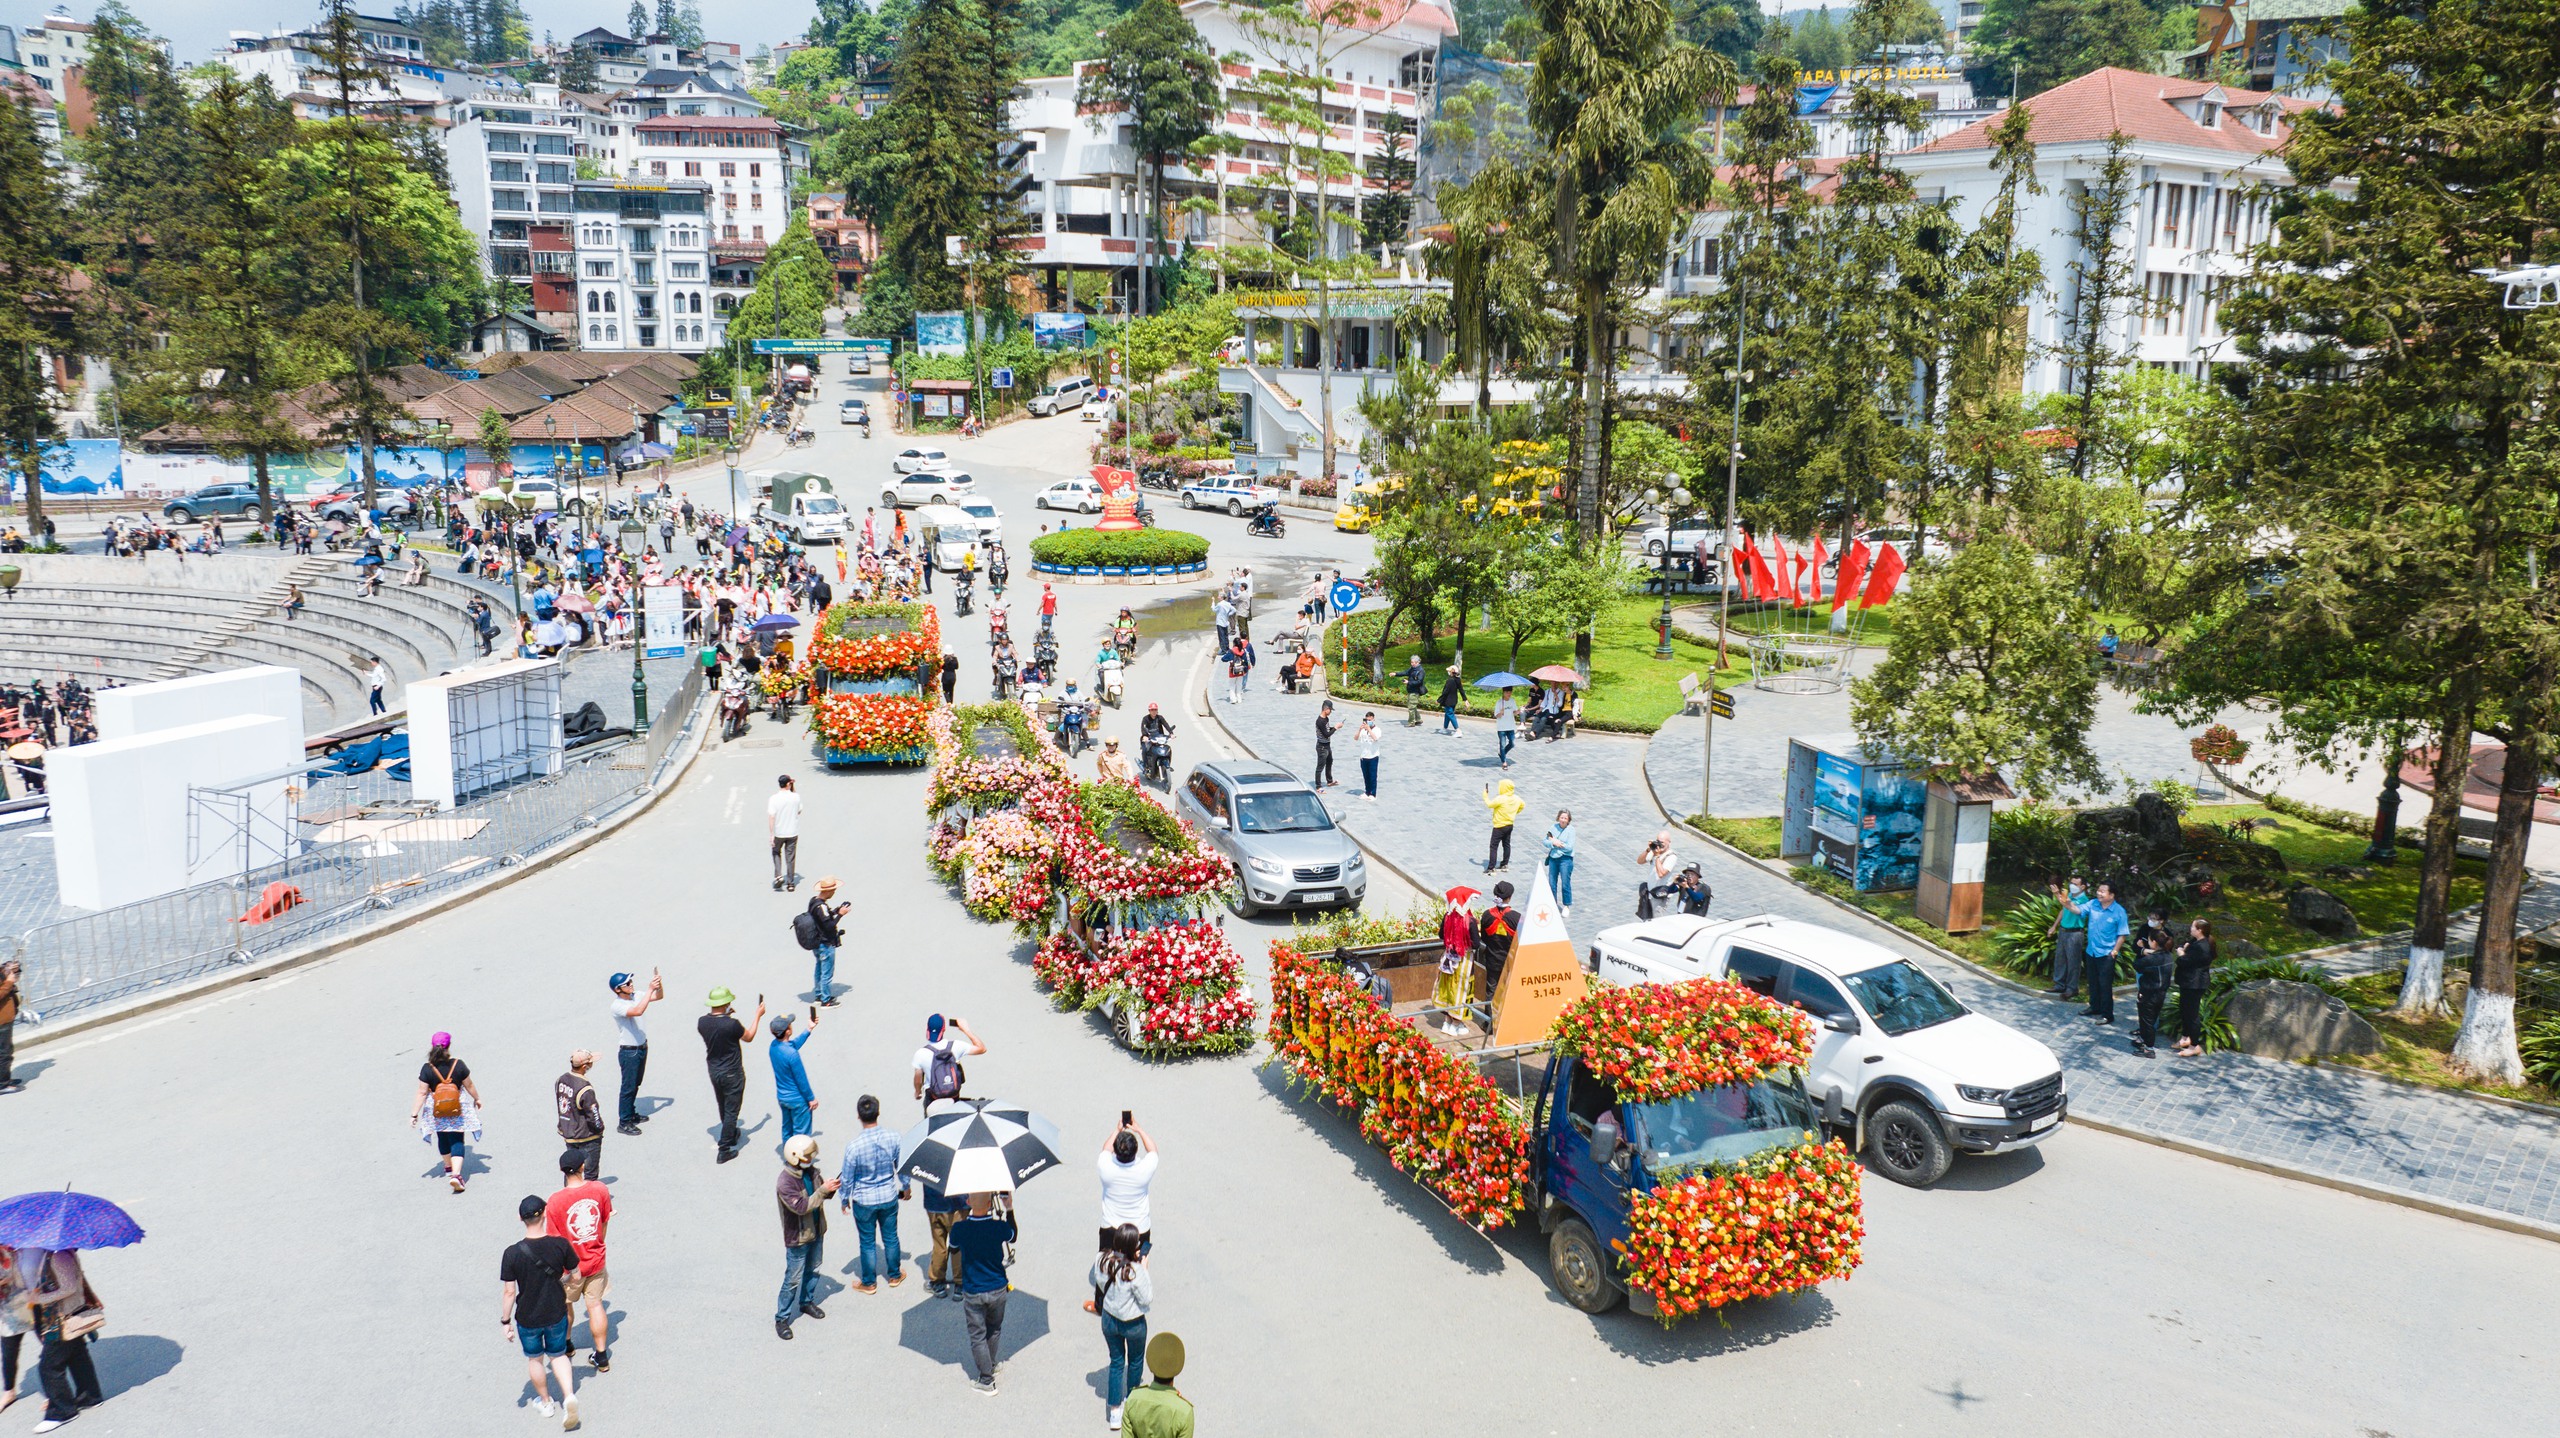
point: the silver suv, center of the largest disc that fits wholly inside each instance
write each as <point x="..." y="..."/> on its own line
<point x="1066" y="394"/>
<point x="1286" y="847"/>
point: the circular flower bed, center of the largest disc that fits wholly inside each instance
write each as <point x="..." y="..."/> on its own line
<point x="1775" y="1223"/>
<point x="1437" y="1118"/>
<point x="1142" y="549"/>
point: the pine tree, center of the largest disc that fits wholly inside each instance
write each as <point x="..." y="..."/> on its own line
<point x="930" y="153"/>
<point x="2105" y="288"/>
<point x="636" y="23"/>
<point x="131" y="161"/>
<point x="1158" y="70"/>
<point x="38" y="320"/>
<point x="578" y="70"/>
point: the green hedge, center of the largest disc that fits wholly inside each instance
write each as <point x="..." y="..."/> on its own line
<point x="1077" y="547"/>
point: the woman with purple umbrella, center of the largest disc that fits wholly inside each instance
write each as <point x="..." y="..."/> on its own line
<point x="42" y="1234"/>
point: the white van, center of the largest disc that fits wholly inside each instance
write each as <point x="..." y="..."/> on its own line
<point x="948" y="533"/>
<point x="1915" y="1075"/>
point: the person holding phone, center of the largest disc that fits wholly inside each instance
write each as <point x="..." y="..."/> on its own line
<point x="722" y="1039"/>
<point x="1128" y="1169"/>
<point x="628" y="1006"/>
<point x="791" y="1077"/>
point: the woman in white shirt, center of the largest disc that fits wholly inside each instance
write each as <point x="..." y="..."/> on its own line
<point x="1366" y="736"/>
<point x="1123" y="1293"/>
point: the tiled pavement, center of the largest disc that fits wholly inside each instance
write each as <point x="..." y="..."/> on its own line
<point x="2321" y="1123"/>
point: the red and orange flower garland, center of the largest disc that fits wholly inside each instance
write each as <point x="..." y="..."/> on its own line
<point x="1438" y="1119"/>
<point x="1778" y="1222"/>
<point x="873" y="723"/>
<point x="898" y="654"/>
<point x="892" y="725"/>
<point x="1659" y="1041"/>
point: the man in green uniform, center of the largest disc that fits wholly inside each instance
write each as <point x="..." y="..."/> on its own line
<point x="1158" y="1410"/>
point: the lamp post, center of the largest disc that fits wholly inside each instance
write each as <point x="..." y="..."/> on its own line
<point x="634" y="539"/>
<point x="729" y="456"/>
<point x="1668" y="506"/>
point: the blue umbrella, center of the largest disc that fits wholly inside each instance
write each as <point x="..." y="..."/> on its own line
<point x="1505" y="680"/>
<point x="57" y="1221"/>
<point x="774" y="623"/>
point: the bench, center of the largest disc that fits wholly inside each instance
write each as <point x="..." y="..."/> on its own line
<point x="1693" y="695"/>
<point x="2472" y="836"/>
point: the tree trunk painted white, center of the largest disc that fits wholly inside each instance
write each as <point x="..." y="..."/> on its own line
<point x="2422" y="990"/>
<point x="2486" y="1047"/>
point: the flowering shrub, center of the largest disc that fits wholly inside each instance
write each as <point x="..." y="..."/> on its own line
<point x="845" y="649"/>
<point x="1325" y="487"/>
<point x="1659" y="1041"/>
<point x="1774" y="1223"/>
<point x="874" y="725"/>
<point x="2218" y="744"/>
<point x="1175" y="864"/>
<point x="1438" y="1119"/>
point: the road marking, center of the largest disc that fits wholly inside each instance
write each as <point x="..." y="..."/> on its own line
<point x="733" y="811"/>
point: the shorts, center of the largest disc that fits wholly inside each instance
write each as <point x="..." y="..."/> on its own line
<point x="449" y="1142"/>
<point x="538" y="1342"/>
<point x="590" y="1285"/>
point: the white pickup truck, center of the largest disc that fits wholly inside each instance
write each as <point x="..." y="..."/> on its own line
<point x="801" y="506"/>
<point x="1914" y="1075"/>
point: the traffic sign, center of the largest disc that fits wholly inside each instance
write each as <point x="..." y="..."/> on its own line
<point x="853" y="346"/>
<point x="1720" y="703"/>
<point x="1002" y="378"/>
<point x="1345" y="597"/>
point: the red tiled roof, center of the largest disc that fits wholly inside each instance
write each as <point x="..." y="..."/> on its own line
<point x="2103" y="102"/>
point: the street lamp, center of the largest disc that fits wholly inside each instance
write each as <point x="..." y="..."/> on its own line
<point x="634" y="539"/>
<point x="1668" y="506"/>
<point x="729" y="456"/>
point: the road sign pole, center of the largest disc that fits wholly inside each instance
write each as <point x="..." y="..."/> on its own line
<point x="1707" y="768"/>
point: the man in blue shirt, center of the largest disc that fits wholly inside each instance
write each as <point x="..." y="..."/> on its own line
<point x="871" y="1194"/>
<point x="791" y="1078"/>
<point x="979" y="1242"/>
<point x="2107" y="926"/>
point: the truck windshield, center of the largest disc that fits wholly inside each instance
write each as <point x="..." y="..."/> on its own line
<point x="1902" y="998"/>
<point x="1723" y="1124"/>
<point x="820" y="504"/>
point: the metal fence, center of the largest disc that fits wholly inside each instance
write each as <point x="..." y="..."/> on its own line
<point x="385" y="858"/>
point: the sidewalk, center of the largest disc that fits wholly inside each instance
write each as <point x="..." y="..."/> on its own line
<point x="2328" y="1125"/>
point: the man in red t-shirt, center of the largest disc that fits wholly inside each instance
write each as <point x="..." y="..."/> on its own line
<point x="579" y="1212"/>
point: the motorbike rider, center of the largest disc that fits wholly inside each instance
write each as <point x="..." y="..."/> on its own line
<point x="1112" y="764"/>
<point x="1124" y="634"/>
<point x="733" y="701"/>
<point x="1266" y="520"/>
<point x="1155" y="735"/>
<point x="1071" y="720"/>
<point x="963" y="591"/>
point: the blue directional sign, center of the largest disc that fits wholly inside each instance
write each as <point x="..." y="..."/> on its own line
<point x="1002" y="378"/>
<point x="1345" y="597"/>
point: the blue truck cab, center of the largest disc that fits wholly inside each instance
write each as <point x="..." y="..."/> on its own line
<point x="1593" y="1152"/>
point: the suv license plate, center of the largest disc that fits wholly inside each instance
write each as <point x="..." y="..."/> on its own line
<point x="1323" y="896"/>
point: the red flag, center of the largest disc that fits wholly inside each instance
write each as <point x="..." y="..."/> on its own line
<point x="1785" y="570"/>
<point x="1764" y="585"/>
<point x="1879" y="591"/>
<point x="1820" y="558"/>
<point x="1852" y="569"/>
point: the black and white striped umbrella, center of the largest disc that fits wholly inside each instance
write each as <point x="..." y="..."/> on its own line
<point x="978" y="1145"/>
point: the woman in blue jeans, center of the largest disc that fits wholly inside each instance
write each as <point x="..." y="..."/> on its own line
<point x="1122" y="1293"/>
<point x="1560" y="859"/>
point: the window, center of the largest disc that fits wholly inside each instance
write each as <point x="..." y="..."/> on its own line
<point x="595" y="302"/>
<point x="648" y="336"/>
<point x="697" y="302"/>
<point x="599" y="269"/>
<point x="684" y="270"/>
<point x="1903" y="998"/>
<point x="1754" y="970"/>
<point x="658" y="168"/>
<point x="729" y="201"/>
<point x="613" y="332"/>
<point x="728" y="169"/>
<point x="755" y="171"/>
<point x="728" y="232"/>
<point x="608" y="302"/>
<point x="756" y="200"/>
<point x="1815" y="994"/>
<point x="2231" y="222"/>
<point x="759" y="234"/>
<point x="693" y="169"/>
<point x="2172" y="203"/>
<point x="644" y="272"/>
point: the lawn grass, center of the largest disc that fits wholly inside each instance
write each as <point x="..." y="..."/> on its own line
<point x="1630" y="688"/>
<point x="1756" y="837"/>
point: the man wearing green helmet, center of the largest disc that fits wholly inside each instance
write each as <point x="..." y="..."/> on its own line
<point x="722" y="1035"/>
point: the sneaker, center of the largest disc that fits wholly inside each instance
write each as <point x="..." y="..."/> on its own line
<point x="986" y="1386"/>
<point x="569" y="1414"/>
<point x="642" y="1117"/>
<point x="603" y="1361"/>
<point x="49" y="1424"/>
<point x="896" y="1278"/>
<point x="811" y="1310"/>
<point x="782" y="1329"/>
<point x="727" y="1154"/>
<point x="866" y="1288"/>
<point x="546" y="1407"/>
<point x="630" y="1128"/>
<point x="1111" y="1420"/>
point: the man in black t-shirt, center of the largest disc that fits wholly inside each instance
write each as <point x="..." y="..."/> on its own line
<point x="721" y="1036"/>
<point x="533" y="1310"/>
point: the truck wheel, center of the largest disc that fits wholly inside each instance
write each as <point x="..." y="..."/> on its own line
<point x="1906" y="1144"/>
<point x="183" y="515"/>
<point x="1580" y="1268"/>
<point x="1235" y="509"/>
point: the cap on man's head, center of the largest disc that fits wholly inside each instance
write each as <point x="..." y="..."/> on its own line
<point x="781" y="1025"/>
<point x="933" y="1027"/>
<point x="529" y="1208"/>
<point x="617" y="981"/>
<point x="581" y="1058"/>
<point x="1164" y="1356"/>
<point x="1502" y="891"/>
<point x="571" y="1160"/>
<point x="721" y="998"/>
<point x="440" y="1040"/>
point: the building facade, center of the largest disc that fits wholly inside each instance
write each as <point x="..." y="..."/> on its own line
<point x="644" y="266"/>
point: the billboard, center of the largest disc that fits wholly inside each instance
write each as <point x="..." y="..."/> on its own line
<point x="942" y="332"/>
<point x="1057" y="329"/>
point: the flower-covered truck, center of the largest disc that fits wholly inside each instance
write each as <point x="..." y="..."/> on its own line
<point x="986" y="761"/>
<point x="1661" y="1137"/>
<point x="873" y="670"/>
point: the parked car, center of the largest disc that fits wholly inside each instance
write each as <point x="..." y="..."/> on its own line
<point x="919" y="457"/>
<point x="1288" y="852"/>
<point x="1096" y="409"/>
<point x="926" y="487"/>
<point x="1065" y="394"/>
<point x="1081" y="495"/>
<point x="536" y="495"/>
<point x="1234" y="493"/>
<point x="224" y="500"/>
<point x="1684" y="540"/>
<point x="348" y="504"/>
<point x="1904" y="539"/>
<point x="1917" y="1077"/>
<point x="853" y="411"/>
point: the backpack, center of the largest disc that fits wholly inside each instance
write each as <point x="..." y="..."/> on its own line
<point x="804" y="927"/>
<point x="943" y="1074"/>
<point x="447" y="1095"/>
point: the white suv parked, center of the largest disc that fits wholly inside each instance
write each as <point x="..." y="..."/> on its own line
<point x="1915" y="1075"/>
<point x="1066" y="394"/>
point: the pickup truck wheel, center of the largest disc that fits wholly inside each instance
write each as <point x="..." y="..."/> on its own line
<point x="1235" y="509"/>
<point x="1907" y="1145"/>
<point x="1580" y="1268"/>
<point x="183" y="515"/>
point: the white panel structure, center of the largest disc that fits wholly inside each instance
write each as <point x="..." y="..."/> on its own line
<point x="272" y="690"/>
<point x="478" y="729"/>
<point x="120" y="806"/>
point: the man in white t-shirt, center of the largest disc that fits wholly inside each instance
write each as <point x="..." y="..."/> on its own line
<point x="376" y="679"/>
<point x="1128" y="1168"/>
<point x="933" y="1081"/>
<point x="782" y="826"/>
<point x="629" y="1003"/>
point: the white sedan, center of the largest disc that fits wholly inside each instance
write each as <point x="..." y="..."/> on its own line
<point x="913" y="458"/>
<point x="1081" y="495"/>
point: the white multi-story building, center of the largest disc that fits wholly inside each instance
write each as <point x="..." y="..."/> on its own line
<point x="52" y="51"/>
<point x="644" y="266"/>
<point x="1089" y="199"/>
<point x="513" y="161"/>
<point x="2202" y="157"/>
<point x="289" y="60"/>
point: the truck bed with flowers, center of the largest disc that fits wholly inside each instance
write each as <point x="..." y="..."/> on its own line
<point x="873" y="668"/>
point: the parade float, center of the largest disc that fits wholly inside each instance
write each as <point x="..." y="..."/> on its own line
<point x="873" y="668"/>
<point x="1659" y="1135"/>
<point x="986" y="757"/>
<point x="1137" y="932"/>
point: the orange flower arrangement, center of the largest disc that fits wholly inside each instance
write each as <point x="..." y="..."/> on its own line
<point x="1775" y="1223"/>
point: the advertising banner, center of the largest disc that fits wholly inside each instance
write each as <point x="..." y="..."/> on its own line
<point x="664" y="636"/>
<point x="942" y="332"/>
<point x="1057" y="329"/>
